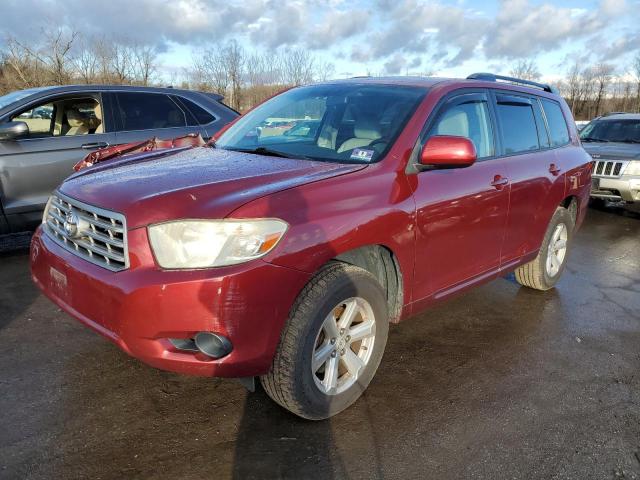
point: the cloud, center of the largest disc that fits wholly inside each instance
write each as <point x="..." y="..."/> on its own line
<point x="415" y="26"/>
<point x="389" y="34"/>
<point x="395" y="65"/>
<point x="522" y="29"/>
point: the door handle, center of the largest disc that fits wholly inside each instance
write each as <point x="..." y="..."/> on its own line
<point x="499" y="182"/>
<point x="92" y="146"/>
<point x="554" y="170"/>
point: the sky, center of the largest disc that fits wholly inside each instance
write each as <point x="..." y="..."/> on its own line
<point x="446" y="38"/>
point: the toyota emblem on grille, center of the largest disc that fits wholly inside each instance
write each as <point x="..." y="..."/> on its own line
<point x="71" y="223"/>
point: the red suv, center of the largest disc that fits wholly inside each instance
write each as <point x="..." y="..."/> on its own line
<point x="285" y="257"/>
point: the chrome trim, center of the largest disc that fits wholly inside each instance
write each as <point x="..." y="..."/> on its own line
<point x="107" y="248"/>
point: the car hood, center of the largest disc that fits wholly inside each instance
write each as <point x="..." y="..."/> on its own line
<point x="194" y="183"/>
<point x="613" y="150"/>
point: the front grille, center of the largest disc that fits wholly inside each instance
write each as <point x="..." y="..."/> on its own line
<point x="609" y="168"/>
<point x="99" y="236"/>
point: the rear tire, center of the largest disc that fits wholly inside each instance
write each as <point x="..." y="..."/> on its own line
<point x="318" y="369"/>
<point x="543" y="272"/>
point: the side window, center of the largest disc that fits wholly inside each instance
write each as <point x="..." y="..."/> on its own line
<point x="557" y="123"/>
<point x="471" y="120"/>
<point x="517" y="119"/>
<point x="202" y="117"/>
<point x="149" y="111"/>
<point x="40" y="120"/>
<point x="63" y="117"/>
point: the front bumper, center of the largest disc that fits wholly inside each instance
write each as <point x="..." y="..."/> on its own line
<point x="139" y="309"/>
<point x="625" y="188"/>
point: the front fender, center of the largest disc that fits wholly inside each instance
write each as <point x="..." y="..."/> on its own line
<point x="340" y="214"/>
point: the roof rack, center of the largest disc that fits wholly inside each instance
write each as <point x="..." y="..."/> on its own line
<point x="491" y="77"/>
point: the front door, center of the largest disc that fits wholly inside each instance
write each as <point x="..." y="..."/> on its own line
<point x="62" y="130"/>
<point x="461" y="213"/>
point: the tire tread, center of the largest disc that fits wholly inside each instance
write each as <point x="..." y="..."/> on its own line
<point x="279" y="382"/>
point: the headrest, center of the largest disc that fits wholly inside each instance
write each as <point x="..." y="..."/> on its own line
<point x="365" y="128"/>
<point x="76" y="119"/>
<point x="93" y="122"/>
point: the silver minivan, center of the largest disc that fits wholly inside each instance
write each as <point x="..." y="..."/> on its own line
<point x="45" y="131"/>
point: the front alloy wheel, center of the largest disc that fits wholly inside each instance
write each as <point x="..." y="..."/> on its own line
<point x="343" y="346"/>
<point x="332" y="343"/>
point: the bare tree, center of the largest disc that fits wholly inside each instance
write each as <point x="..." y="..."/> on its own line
<point x="56" y="53"/>
<point x="86" y="62"/>
<point x="297" y="66"/>
<point x="573" y="82"/>
<point x="325" y="71"/>
<point x="144" y="63"/>
<point x="121" y="62"/>
<point x="209" y="71"/>
<point x="234" y="61"/>
<point x="526" y="70"/>
<point x="635" y="71"/>
<point x="602" y="73"/>
<point x="47" y="61"/>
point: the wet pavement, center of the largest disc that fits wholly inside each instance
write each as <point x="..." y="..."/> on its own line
<point x="502" y="382"/>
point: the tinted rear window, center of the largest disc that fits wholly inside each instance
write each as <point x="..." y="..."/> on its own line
<point x="518" y="124"/>
<point x="149" y="111"/>
<point x="557" y="124"/>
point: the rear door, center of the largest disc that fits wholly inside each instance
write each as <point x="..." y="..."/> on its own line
<point x="537" y="182"/>
<point x="461" y="213"/>
<point x="144" y="115"/>
<point x="62" y="130"/>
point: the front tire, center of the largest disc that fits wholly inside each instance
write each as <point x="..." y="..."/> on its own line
<point x="543" y="272"/>
<point x="331" y="345"/>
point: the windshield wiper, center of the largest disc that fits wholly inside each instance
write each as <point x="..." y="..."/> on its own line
<point x="269" y="152"/>
<point x="630" y="140"/>
<point x="594" y="139"/>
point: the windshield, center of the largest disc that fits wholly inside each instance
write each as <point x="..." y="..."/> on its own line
<point x="351" y="123"/>
<point x="626" y="131"/>
<point x="9" y="98"/>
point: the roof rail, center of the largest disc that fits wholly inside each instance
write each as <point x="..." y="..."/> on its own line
<point x="491" y="77"/>
<point x="612" y="113"/>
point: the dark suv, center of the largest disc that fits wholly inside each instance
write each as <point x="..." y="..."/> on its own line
<point x="286" y="257"/>
<point x="613" y="141"/>
<point x="45" y="131"/>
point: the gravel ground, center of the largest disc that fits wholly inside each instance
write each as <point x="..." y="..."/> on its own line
<point x="502" y="382"/>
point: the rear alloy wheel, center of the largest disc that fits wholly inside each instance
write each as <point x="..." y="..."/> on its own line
<point x="332" y="343"/>
<point x="543" y="272"/>
<point x="557" y="250"/>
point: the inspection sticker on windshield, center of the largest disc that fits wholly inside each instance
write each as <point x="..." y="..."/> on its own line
<point x="362" y="154"/>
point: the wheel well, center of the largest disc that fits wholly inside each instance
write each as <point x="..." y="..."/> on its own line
<point x="571" y="204"/>
<point x="382" y="263"/>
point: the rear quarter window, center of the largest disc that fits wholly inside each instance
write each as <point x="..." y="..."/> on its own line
<point x="558" y="129"/>
<point x="202" y="117"/>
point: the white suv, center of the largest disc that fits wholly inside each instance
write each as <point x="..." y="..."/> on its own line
<point x="613" y="141"/>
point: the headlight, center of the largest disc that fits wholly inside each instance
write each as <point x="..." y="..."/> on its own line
<point x="633" y="168"/>
<point x="213" y="243"/>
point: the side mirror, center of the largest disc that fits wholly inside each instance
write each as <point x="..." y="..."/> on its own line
<point x="13" y="131"/>
<point x="448" y="152"/>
